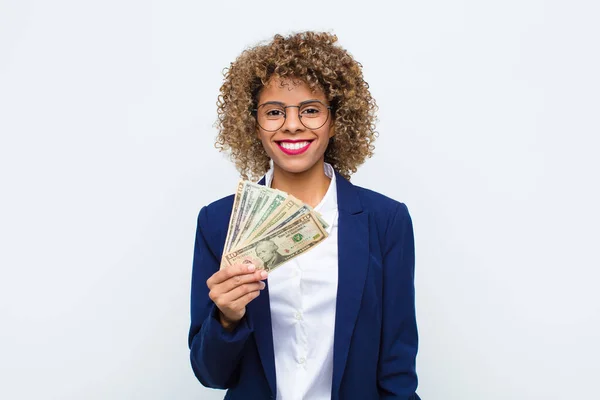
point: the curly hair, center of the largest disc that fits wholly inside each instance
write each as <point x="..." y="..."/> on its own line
<point x="314" y="59"/>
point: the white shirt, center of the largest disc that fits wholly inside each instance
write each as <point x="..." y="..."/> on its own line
<point x="302" y="295"/>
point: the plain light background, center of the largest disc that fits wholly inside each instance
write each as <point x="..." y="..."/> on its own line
<point x="488" y="132"/>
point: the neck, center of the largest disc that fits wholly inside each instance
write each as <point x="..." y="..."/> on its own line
<point x="309" y="186"/>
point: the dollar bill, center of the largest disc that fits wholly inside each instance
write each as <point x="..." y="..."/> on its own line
<point x="236" y="207"/>
<point x="259" y="212"/>
<point x="249" y="194"/>
<point x="272" y="203"/>
<point x="324" y="223"/>
<point x="256" y="207"/>
<point x="305" y="209"/>
<point x="254" y="195"/>
<point x="301" y="211"/>
<point x="272" y="250"/>
<point x="290" y="206"/>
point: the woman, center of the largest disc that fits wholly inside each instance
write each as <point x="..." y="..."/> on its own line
<point x="339" y="320"/>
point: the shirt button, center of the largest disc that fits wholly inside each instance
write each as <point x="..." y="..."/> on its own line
<point x="302" y="360"/>
<point x="298" y="316"/>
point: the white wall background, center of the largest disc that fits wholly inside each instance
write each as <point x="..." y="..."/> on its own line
<point x="489" y="131"/>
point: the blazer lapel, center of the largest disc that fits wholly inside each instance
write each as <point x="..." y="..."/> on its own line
<point x="259" y="318"/>
<point x="353" y="261"/>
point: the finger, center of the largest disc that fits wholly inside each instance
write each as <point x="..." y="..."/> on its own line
<point x="239" y="280"/>
<point x="235" y="310"/>
<point x="243" y="301"/>
<point x="229" y="272"/>
<point x="218" y="290"/>
<point x="240" y="291"/>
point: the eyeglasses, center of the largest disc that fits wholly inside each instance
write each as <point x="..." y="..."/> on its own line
<point x="271" y="115"/>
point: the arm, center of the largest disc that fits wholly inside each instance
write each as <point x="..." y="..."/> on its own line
<point x="214" y="351"/>
<point x="397" y="378"/>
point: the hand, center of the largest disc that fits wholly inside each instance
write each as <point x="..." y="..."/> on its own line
<point x="232" y="288"/>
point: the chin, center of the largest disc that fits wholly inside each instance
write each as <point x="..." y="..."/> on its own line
<point x="295" y="167"/>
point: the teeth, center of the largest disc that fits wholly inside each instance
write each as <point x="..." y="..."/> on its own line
<point x="294" y="146"/>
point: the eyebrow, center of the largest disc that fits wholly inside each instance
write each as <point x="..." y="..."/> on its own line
<point x="280" y="103"/>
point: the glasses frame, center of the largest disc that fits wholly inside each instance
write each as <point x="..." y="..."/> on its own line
<point x="255" y="113"/>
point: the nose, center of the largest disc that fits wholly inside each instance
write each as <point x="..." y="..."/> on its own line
<point x="292" y="122"/>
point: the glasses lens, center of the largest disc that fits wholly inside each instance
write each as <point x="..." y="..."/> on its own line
<point x="314" y="115"/>
<point x="270" y="117"/>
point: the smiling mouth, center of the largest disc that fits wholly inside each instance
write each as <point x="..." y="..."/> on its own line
<point x="294" y="147"/>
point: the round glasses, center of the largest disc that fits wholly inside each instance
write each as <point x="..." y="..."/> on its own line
<point x="271" y="115"/>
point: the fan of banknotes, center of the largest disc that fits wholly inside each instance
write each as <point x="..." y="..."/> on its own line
<point x="269" y="227"/>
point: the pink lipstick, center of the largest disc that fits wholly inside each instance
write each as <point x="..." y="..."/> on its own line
<point x="294" y="147"/>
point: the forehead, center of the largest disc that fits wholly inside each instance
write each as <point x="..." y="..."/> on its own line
<point x="289" y="91"/>
<point x="264" y="245"/>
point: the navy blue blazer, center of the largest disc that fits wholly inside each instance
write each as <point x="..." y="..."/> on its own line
<point x="375" y="338"/>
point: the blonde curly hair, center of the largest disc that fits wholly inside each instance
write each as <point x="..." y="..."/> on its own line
<point x="314" y="59"/>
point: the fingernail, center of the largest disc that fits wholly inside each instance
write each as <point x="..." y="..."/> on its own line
<point x="251" y="268"/>
<point x="264" y="274"/>
<point x="262" y="286"/>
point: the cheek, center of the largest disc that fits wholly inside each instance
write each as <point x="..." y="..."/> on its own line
<point x="324" y="137"/>
<point x="265" y="143"/>
<point x="264" y="139"/>
<point x="261" y="136"/>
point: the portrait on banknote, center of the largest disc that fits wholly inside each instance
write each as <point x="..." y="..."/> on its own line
<point x="266" y="250"/>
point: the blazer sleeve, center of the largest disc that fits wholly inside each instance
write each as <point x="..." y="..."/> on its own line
<point x="214" y="352"/>
<point x="397" y="378"/>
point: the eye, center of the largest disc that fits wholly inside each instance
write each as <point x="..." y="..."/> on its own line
<point x="274" y="112"/>
<point x="312" y="110"/>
